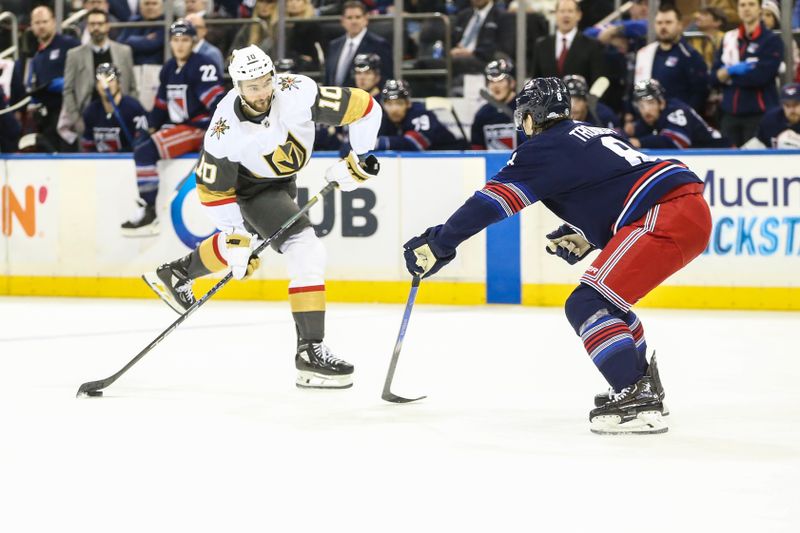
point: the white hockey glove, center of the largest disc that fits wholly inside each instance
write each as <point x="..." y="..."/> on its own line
<point x="788" y="140"/>
<point x="237" y="250"/>
<point x="351" y="171"/>
<point x="568" y="244"/>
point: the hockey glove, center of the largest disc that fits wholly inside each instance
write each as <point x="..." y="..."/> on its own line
<point x="741" y="68"/>
<point x="350" y="172"/>
<point x="568" y="244"/>
<point x="237" y="253"/>
<point x="423" y="257"/>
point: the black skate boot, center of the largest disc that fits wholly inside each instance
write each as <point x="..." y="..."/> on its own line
<point x="652" y="370"/>
<point x="318" y="368"/>
<point x="171" y="282"/>
<point x="636" y="409"/>
<point x="144" y="222"/>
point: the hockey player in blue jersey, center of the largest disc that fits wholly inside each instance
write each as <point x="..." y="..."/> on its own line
<point x="103" y="131"/>
<point x="408" y="126"/>
<point x="647" y="215"/>
<point x="189" y="92"/>
<point x="493" y="126"/>
<point x="596" y="114"/>
<point x="780" y="127"/>
<point x="668" y="123"/>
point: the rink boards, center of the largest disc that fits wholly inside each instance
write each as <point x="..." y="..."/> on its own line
<point x="61" y="216"/>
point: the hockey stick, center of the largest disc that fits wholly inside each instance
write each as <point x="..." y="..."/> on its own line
<point x="16" y="106"/>
<point x="500" y="106"/>
<point x="117" y="114"/>
<point x="94" y="388"/>
<point x="596" y="91"/>
<point x="387" y="394"/>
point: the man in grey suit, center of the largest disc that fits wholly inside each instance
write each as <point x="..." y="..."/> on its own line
<point x="79" y="80"/>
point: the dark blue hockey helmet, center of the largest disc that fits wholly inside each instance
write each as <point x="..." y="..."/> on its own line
<point x="648" y="90"/>
<point x="106" y="71"/>
<point x="285" y="66"/>
<point x="499" y="69"/>
<point x="544" y="100"/>
<point x="396" y="89"/>
<point x="576" y="85"/>
<point x="182" y="27"/>
<point x="365" y="62"/>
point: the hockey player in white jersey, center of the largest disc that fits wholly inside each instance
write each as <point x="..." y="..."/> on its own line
<point x="261" y="135"/>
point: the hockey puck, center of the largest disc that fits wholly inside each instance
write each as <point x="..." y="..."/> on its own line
<point x="94" y="393"/>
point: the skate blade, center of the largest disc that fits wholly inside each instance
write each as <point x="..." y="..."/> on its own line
<point x="645" y="423"/>
<point x="151" y="230"/>
<point x="313" y="380"/>
<point x="155" y="283"/>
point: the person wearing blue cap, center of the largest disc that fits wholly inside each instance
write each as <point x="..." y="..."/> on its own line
<point x="780" y="127"/>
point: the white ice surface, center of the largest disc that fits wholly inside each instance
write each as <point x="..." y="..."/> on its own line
<point x="209" y="433"/>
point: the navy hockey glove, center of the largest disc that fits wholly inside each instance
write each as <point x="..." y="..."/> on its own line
<point x="568" y="244"/>
<point x="423" y="257"/>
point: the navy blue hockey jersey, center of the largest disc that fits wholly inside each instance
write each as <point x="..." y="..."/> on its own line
<point x="420" y="131"/>
<point x="103" y="132"/>
<point x="189" y="94"/>
<point x="679" y="126"/>
<point x="683" y="73"/>
<point x="494" y="130"/>
<point x="605" y="117"/>
<point x="588" y="176"/>
<point x="773" y="123"/>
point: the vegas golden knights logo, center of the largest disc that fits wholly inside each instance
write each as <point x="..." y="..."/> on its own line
<point x="288" y="158"/>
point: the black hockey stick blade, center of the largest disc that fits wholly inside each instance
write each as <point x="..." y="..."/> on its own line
<point x="92" y="388"/>
<point x="387" y="394"/>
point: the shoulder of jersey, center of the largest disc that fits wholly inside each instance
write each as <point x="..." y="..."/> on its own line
<point x="224" y="125"/>
<point x="295" y="88"/>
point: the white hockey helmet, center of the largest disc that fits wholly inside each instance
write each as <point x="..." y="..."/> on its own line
<point x="249" y="63"/>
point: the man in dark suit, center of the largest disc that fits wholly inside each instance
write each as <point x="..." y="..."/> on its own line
<point x="475" y="37"/>
<point x="356" y="40"/>
<point x="568" y="51"/>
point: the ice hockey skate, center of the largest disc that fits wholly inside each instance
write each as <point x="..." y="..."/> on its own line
<point x="652" y="371"/>
<point x="318" y="368"/>
<point x="143" y="223"/>
<point x="172" y="284"/>
<point x="636" y="409"/>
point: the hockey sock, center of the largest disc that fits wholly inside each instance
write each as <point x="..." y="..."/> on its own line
<point x="146" y="156"/>
<point x="308" y="310"/>
<point x="204" y="259"/>
<point x="609" y="342"/>
<point x="637" y="331"/>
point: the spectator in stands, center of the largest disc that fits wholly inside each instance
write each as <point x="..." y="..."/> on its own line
<point x="79" y="80"/>
<point x="673" y="62"/>
<point x="475" y="36"/>
<point x="261" y="35"/>
<point x="356" y="40"/>
<point x="668" y="123"/>
<point x="9" y="127"/>
<point x="633" y="30"/>
<point x="202" y="46"/>
<point x="303" y="38"/>
<point x="585" y="107"/>
<point x="746" y="68"/>
<point x="729" y="7"/>
<point x="568" y="51"/>
<point x="493" y="127"/>
<point x="409" y="126"/>
<point x="123" y="10"/>
<point x="203" y="8"/>
<point x="780" y="127"/>
<point x="148" y="42"/>
<point x="47" y="71"/>
<point x="771" y="17"/>
<point x="710" y="21"/>
<point x="91" y="5"/>
<point x="112" y="127"/>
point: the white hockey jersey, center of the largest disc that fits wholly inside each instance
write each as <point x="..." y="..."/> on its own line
<point x="238" y="150"/>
